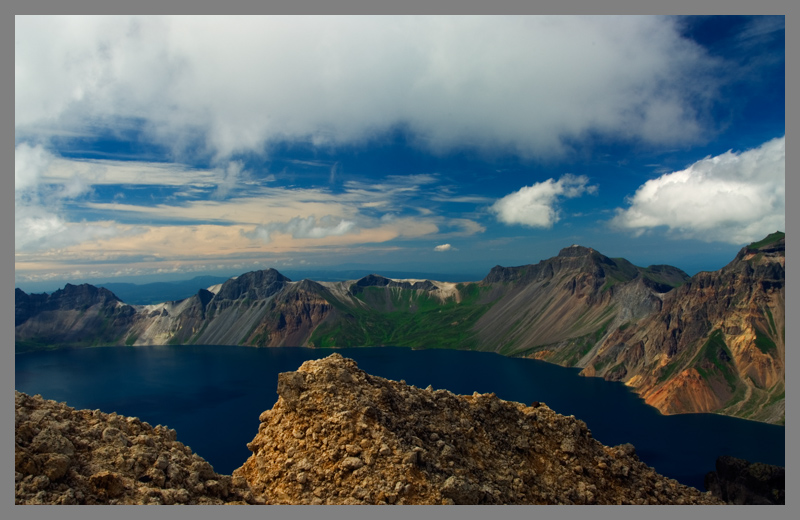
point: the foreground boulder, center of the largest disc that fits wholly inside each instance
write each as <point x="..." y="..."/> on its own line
<point x="68" y="456"/>
<point x="338" y="435"/>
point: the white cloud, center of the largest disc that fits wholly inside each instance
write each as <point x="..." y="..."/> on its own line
<point x="536" y="205"/>
<point x="444" y="247"/>
<point x="733" y="197"/>
<point x="30" y="163"/>
<point x="39" y="216"/>
<point x="528" y="85"/>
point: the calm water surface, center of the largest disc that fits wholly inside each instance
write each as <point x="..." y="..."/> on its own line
<point x="213" y="395"/>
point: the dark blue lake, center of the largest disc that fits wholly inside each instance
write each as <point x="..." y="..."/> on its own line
<point x="213" y="396"/>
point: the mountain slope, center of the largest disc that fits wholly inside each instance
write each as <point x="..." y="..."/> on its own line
<point x="717" y="343"/>
<point x="78" y="315"/>
<point x="560" y="308"/>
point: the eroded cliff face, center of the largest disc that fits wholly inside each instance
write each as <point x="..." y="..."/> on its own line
<point x="716" y="345"/>
<point x="338" y="435"/>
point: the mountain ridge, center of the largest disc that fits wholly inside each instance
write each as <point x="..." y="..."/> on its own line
<point x="580" y="308"/>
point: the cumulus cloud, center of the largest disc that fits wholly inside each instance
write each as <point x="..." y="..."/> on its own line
<point x="528" y="85"/>
<point x="537" y="205"/>
<point x="444" y="247"/>
<point x="735" y="197"/>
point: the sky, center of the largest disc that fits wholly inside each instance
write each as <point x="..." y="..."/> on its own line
<point x="155" y="148"/>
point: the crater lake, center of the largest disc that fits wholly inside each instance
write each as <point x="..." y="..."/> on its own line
<point x="213" y="396"/>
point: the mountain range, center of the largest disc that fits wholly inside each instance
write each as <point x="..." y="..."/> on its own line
<point x="712" y="342"/>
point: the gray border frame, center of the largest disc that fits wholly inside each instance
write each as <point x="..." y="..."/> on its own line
<point x="360" y="6"/>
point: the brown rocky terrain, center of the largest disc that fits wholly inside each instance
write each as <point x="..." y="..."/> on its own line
<point x="68" y="456"/>
<point x="339" y="436"/>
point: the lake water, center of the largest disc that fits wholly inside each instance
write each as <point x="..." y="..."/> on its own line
<point x="213" y="395"/>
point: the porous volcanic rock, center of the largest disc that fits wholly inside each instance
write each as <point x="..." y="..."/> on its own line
<point x="68" y="456"/>
<point x="338" y="435"/>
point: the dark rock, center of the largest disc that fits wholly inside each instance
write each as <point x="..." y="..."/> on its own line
<point x="737" y="481"/>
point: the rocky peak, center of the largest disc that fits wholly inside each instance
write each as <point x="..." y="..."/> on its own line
<point x="374" y="280"/>
<point x="79" y="297"/>
<point x="575" y="250"/>
<point x="254" y="285"/>
<point x="500" y="274"/>
<point x="26" y="305"/>
<point x="84" y="295"/>
<point x="768" y="253"/>
<point x="338" y="435"/>
<point x="575" y="258"/>
<point x="309" y="286"/>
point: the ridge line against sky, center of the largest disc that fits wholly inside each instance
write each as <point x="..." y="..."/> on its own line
<point x="178" y="146"/>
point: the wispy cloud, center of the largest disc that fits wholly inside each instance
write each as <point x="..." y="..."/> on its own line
<point x="308" y="227"/>
<point x="736" y="197"/>
<point x="218" y="214"/>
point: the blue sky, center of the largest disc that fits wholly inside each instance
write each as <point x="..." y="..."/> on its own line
<point x="151" y="148"/>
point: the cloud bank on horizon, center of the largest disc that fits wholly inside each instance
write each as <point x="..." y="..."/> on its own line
<point x="157" y="144"/>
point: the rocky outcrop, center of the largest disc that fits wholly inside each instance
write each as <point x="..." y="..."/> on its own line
<point x="254" y="285"/>
<point x="68" y="456"/>
<point x="338" y="435"/>
<point x="737" y="481"/>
